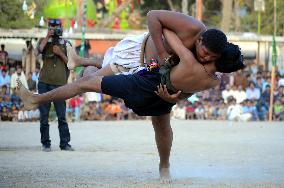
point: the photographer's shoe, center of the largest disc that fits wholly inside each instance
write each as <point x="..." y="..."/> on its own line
<point x="67" y="148"/>
<point x="46" y="148"/>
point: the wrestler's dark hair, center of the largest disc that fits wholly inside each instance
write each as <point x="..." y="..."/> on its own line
<point x="231" y="59"/>
<point x="215" y="40"/>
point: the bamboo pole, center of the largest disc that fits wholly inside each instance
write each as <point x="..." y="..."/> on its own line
<point x="272" y="93"/>
<point x="199" y="6"/>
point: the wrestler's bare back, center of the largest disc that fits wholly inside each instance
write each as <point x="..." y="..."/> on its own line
<point x="188" y="76"/>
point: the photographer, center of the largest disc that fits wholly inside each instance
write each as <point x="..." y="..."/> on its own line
<point x="54" y="73"/>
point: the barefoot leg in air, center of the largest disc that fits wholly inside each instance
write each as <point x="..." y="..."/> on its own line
<point x="26" y="96"/>
<point x="164" y="139"/>
<point x="86" y="84"/>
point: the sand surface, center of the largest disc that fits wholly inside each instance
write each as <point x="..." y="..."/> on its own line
<point x="123" y="154"/>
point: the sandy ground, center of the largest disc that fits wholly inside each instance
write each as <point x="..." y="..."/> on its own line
<point x="123" y="154"/>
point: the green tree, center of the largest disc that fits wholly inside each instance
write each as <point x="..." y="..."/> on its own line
<point x="249" y="22"/>
<point x="211" y="9"/>
<point x="12" y="15"/>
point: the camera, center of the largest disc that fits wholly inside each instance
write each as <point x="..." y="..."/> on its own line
<point x="57" y="31"/>
<point x="56" y="23"/>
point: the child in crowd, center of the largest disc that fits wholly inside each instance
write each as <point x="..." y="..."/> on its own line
<point x="23" y="114"/>
<point x="14" y="112"/>
<point x="6" y="115"/>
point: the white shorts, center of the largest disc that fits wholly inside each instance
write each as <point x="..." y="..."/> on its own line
<point x="124" y="57"/>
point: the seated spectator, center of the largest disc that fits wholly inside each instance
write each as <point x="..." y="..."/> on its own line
<point x="262" y="104"/>
<point x="75" y="104"/>
<point x="23" y="114"/>
<point x="279" y="93"/>
<point x="111" y="110"/>
<point x="267" y="81"/>
<point x="234" y="110"/>
<point x="189" y="110"/>
<point x="96" y="112"/>
<point x="222" y="111"/>
<point x="262" y="110"/>
<point x="19" y="74"/>
<point x="237" y="112"/>
<point x="14" y="112"/>
<point x="252" y="93"/>
<point x="215" y="108"/>
<point x="258" y="76"/>
<point x="31" y="82"/>
<point x="91" y="111"/>
<point x="246" y="113"/>
<point x="208" y="109"/>
<point x="281" y="81"/>
<point x="6" y="115"/>
<point x="278" y="109"/>
<point x="5" y="78"/>
<point x="125" y="112"/>
<point x="227" y="93"/>
<point x="85" y="111"/>
<point x="7" y="102"/>
<point x="179" y="111"/>
<point x="199" y="111"/>
<point x="15" y="99"/>
<point x="4" y="91"/>
<point x="265" y="96"/>
<point x="259" y="83"/>
<point x="240" y="94"/>
<point x="33" y="115"/>
<point x="252" y="109"/>
<point x="12" y="70"/>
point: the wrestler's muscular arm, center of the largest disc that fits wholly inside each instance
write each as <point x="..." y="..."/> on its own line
<point x="184" y="55"/>
<point x="185" y="27"/>
<point x="177" y="46"/>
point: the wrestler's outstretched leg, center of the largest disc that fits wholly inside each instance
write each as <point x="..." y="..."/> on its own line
<point x="90" y="83"/>
<point x="91" y="70"/>
<point x="164" y="139"/>
<point x="75" y="60"/>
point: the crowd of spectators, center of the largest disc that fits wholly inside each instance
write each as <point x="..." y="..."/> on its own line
<point x="11" y="107"/>
<point x="241" y="96"/>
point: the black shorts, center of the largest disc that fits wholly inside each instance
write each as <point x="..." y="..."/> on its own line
<point x="137" y="91"/>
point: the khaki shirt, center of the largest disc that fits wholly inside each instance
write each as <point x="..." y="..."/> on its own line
<point x="54" y="71"/>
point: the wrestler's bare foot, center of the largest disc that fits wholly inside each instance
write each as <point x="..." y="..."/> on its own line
<point x="165" y="176"/>
<point x="73" y="58"/>
<point x="26" y="96"/>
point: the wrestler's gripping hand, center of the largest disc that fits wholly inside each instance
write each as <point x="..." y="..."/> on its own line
<point x="164" y="94"/>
